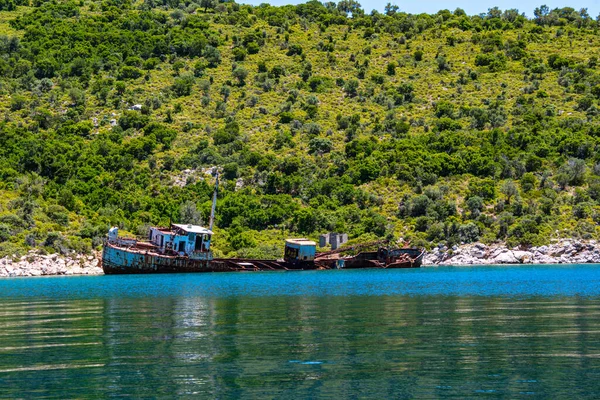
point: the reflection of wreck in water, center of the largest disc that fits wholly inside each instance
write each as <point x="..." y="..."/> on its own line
<point x="186" y="248"/>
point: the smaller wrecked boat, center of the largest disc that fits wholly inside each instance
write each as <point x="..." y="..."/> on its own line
<point x="383" y="257"/>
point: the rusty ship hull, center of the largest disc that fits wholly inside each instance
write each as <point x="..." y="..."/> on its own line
<point x="141" y="259"/>
<point x="123" y="260"/>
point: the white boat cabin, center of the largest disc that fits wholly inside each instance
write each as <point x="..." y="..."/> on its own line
<point x="190" y="240"/>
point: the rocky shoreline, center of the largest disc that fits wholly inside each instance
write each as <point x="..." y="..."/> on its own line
<point x="565" y="251"/>
<point x="34" y="264"/>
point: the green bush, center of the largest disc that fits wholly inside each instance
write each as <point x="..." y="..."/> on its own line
<point x="239" y="54"/>
<point x="294" y="49"/>
<point x="17" y="103"/>
<point x="182" y="86"/>
<point x="128" y="72"/>
<point x="133" y="119"/>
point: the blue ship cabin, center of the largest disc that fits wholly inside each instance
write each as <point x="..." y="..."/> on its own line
<point x="299" y="250"/>
<point x="183" y="239"/>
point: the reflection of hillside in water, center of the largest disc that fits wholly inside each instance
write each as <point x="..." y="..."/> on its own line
<point x="380" y="346"/>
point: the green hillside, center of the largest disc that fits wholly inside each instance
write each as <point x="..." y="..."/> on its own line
<point x="431" y="128"/>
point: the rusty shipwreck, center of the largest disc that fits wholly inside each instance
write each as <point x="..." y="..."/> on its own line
<point x="186" y="248"/>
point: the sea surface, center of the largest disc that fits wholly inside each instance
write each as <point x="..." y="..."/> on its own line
<point x="460" y="332"/>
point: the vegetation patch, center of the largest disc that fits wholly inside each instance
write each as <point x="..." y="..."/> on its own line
<point x="431" y="128"/>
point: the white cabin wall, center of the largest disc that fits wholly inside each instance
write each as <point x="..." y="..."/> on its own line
<point x="189" y="240"/>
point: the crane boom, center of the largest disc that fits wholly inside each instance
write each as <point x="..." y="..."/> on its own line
<point x="214" y="204"/>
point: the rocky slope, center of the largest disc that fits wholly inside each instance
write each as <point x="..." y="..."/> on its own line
<point x="34" y="264"/>
<point x="560" y="252"/>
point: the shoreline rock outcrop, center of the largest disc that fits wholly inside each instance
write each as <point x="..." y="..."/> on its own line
<point x="34" y="264"/>
<point x="567" y="251"/>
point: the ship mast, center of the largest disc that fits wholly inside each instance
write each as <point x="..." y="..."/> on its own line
<point x="214" y="204"/>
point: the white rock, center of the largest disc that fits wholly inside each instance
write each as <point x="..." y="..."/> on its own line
<point x="497" y="251"/>
<point x="545" y="259"/>
<point x="480" y="246"/>
<point x="478" y="253"/>
<point x="542" y="249"/>
<point x="506" y="257"/>
<point x="523" y="256"/>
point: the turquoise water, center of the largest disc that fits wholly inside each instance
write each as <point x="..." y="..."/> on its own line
<point x="510" y="332"/>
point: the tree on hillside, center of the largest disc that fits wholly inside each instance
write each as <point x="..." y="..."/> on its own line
<point x="183" y="85"/>
<point x="349" y="6"/>
<point x="189" y="214"/>
<point x="207" y="4"/>
<point x="509" y="190"/>
<point x="240" y="73"/>
<point x="541" y="13"/>
<point x="212" y="56"/>
<point x="391" y="9"/>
